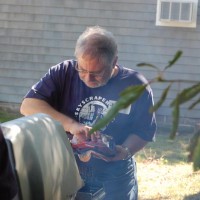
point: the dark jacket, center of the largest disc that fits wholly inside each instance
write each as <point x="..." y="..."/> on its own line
<point x="8" y="184"/>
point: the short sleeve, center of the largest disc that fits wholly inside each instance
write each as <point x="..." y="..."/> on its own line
<point x="144" y="120"/>
<point x="50" y="85"/>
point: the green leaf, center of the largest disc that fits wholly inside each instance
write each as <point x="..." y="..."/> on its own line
<point x="196" y="158"/>
<point x="147" y="65"/>
<point x="175" y="121"/>
<point x="127" y="97"/>
<point x="161" y="100"/>
<point x="194" y="104"/>
<point x="192" y="146"/>
<point x="176" y="57"/>
<point x="107" y="118"/>
<point x="187" y="94"/>
<point x="133" y="90"/>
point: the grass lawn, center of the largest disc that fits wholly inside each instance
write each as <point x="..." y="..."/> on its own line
<point x="7" y="116"/>
<point x="163" y="171"/>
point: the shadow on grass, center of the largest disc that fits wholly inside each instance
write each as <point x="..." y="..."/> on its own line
<point x="192" y="197"/>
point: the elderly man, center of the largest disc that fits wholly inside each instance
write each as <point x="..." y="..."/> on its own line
<point x="79" y="92"/>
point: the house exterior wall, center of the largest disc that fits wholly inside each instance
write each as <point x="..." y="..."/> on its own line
<point x="35" y="35"/>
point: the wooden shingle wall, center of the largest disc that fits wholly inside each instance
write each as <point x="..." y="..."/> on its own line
<point x="35" y="35"/>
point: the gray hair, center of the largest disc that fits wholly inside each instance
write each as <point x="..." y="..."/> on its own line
<point x="97" y="43"/>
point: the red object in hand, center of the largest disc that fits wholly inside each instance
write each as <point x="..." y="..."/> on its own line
<point x="105" y="146"/>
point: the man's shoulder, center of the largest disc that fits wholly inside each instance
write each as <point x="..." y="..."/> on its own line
<point x="63" y="69"/>
<point x="133" y="75"/>
<point x="64" y="65"/>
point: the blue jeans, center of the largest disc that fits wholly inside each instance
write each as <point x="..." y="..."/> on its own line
<point x="117" y="178"/>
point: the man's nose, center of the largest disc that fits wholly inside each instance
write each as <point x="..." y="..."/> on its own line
<point x="89" y="77"/>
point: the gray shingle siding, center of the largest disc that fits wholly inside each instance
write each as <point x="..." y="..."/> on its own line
<point x="35" y="35"/>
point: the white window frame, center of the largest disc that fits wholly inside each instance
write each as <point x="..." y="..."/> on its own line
<point x="191" y="22"/>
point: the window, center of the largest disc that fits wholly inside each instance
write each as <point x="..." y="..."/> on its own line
<point x="178" y="13"/>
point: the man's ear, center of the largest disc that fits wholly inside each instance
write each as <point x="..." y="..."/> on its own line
<point x="115" y="61"/>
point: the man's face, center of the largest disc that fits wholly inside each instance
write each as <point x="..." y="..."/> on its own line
<point x="92" y="73"/>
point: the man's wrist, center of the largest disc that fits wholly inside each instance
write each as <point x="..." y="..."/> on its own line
<point x="128" y="153"/>
<point x="71" y="125"/>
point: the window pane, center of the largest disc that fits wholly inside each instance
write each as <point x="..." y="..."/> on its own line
<point x="175" y="9"/>
<point x="165" y="6"/>
<point x="185" y="11"/>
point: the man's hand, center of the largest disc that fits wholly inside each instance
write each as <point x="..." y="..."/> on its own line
<point x="134" y="144"/>
<point x="121" y="154"/>
<point x="81" y="132"/>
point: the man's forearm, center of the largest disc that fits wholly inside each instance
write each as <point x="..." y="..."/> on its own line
<point x="134" y="143"/>
<point x="32" y="106"/>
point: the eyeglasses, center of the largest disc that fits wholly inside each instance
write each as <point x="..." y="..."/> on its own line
<point x="82" y="71"/>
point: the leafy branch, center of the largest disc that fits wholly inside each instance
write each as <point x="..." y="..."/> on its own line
<point x="132" y="93"/>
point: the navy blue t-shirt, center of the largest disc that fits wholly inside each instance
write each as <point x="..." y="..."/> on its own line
<point x="62" y="88"/>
